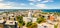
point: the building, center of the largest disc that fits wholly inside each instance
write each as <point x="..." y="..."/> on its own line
<point x="29" y="18"/>
<point x="10" y="24"/>
<point x="1" y="22"/>
<point x="45" y="25"/>
<point x="51" y="17"/>
<point x="58" y="17"/>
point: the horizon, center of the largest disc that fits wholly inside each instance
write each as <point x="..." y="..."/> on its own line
<point x="30" y="9"/>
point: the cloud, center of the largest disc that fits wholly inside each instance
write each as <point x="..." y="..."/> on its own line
<point x="1" y="0"/>
<point x="12" y="5"/>
<point x="41" y="1"/>
<point x="51" y="0"/>
<point x="32" y="0"/>
<point x="45" y="1"/>
<point x="21" y="5"/>
<point x="2" y="5"/>
<point x="31" y="3"/>
<point x="41" y="5"/>
<point x="38" y="0"/>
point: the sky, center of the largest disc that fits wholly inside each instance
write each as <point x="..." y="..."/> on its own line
<point x="29" y="4"/>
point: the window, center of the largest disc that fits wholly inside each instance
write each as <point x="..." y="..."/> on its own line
<point x="45" y="26"/>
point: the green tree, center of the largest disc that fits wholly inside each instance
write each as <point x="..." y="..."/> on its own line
<point x="34" y="25"/>
<point x="55" y="26"/>
<point x="41" y="19"/>
<point x="28" y="24"/>
<point x="31" y="25"/>
<point x="20" y="20"/>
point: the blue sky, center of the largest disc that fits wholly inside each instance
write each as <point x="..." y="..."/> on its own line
<point x="29" y="4"/>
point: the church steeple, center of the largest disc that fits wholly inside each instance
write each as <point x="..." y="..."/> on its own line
<point x="30" y="13"/>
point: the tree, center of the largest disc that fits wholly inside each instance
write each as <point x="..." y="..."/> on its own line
<point x="40" y="19"/>
<point x="56" y="26"/>
<point x="34" y="25"/>
<point x="31" y="25"/>
<point x="20" y="20"/>
<point x="28" y="24"/>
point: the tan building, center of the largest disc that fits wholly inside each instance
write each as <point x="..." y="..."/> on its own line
<point x="1" y="25"/>
<point x="58" y="21"/>
<point x="1" y="22"/>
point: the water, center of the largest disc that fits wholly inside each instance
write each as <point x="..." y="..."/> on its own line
<point x="52" y="10"/>
<point x="44" y="10"/>
<point x="1" y="11"/>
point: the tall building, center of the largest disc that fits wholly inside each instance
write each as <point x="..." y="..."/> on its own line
<point x="30" y="13"/>
<point x="29" y="18"/>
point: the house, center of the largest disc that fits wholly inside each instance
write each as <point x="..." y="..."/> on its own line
<point x="51" y="17"/>
<point x="1" y="22"/>
<point x="45" y="25"/>
<point x="29" y="19"/>
<point x="10" y="24"/>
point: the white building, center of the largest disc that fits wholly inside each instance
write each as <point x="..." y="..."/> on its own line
<point x="9" y="22"/>
<point x="34" y="20"/>
<point x="46" y="16"/>
<point x="45" y="25"/>
<point x="1" y="19"/>
<point x="29" y="18"/>
<point x="10" y="14"/>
